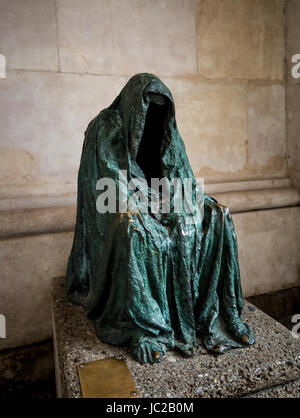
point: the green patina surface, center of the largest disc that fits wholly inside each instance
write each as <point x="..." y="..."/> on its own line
<point x="152" y="282"/>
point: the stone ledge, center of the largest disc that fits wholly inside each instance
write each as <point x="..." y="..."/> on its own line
<point x="274" y="360"/>
<point x="248" y="200"/>
<point x="233" y="186"/>
<point x="57" y="213"/>
<point x="37" y="220"/>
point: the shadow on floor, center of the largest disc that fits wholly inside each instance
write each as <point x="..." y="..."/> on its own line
<point x="42" y="389"/>
<point x="281" y="305"/>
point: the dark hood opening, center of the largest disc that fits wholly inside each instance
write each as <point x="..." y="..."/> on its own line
<point x="153" y="138"/>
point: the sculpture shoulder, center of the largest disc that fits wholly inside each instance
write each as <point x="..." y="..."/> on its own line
<point x="104" y="128"/>
<point x="106" y="119"/>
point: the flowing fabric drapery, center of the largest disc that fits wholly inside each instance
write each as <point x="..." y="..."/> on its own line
<point x="152" y="282"/>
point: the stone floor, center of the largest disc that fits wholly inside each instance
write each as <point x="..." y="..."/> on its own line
<point x="27" y="372"/>
<point x="40" y="389"/>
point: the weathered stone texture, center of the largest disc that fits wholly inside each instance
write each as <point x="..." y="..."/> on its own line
<point x="266" y="128"/>
<point x="293" y="90"/>
<point x="293" y="121"/>
<point x="241" y="39"/>
<point x="28" y="34"/>
<point x="43" y="122"/>
<point x="127" y="37"/>
<point x="212" y="119"/>
<point x="292" y="37"/>
<point x="269" y="249"/>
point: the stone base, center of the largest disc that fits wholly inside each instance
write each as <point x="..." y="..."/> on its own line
<point x="287" y="390"/>
<point x="274" y="360"/>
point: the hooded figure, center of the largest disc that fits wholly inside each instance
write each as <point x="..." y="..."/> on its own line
<point x="151" y="281"/>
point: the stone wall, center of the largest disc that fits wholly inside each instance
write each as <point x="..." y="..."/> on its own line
<point x="223" y="60"/>
<point x="293" y="90"/>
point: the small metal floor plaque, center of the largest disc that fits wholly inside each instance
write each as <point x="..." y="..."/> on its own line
<point x="106" y="378"/>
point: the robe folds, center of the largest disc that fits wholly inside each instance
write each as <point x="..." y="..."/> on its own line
<point x="152" y="281"/>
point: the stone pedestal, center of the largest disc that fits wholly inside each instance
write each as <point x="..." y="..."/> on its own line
<point x="269" y="368"/>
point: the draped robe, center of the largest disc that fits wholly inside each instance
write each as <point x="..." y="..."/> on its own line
<point x="152" y="282"/>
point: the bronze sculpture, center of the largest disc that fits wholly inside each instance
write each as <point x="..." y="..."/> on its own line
<point x="152" y="281"/>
